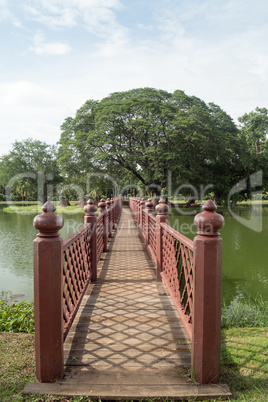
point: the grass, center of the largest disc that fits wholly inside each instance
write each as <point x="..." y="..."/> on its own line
<point x="245" y="313"/>
<point x="244" y="365"/>
<point x="36" y="209"/>
<point x="244" y="351"/>
<point x="17" y="364"/>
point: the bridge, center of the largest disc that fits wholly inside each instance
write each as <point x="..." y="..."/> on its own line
<point x="126" y="307"/>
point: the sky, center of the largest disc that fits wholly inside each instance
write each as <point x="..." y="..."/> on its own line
<point x="56" y="54"/>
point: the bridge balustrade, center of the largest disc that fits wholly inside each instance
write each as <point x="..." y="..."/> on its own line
<point x="62" y="271"/>
<point x="191" y="271"/>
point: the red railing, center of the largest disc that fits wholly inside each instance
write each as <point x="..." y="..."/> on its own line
<point x="177" y="272"/>
<point x="152" y="237"/>
<point x="77" y="262"/>
<point x="100" y="233"/>
<point x="62" y="271"/>
<point x="176" y="258"/>
<point x="76" y="272"/>
<point x="191" y="271"/>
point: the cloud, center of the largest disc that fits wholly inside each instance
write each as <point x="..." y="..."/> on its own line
<point x="40" y="47"/>
<point x="31" y="110"/>
<point x="98" y="17"/>
<point x="52" y="15"/>
<point x="92" y="14"/>
<point x="7" y="15"/>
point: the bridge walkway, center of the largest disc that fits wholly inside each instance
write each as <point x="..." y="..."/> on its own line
<point x="127" y="340"/>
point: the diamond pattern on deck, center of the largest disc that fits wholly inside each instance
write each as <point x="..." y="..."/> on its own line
<point x="126" y="319"/>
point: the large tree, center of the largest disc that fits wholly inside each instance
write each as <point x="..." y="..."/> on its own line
<point x="148" y="133"/>
<point x="254" y="132"/>
<point x="28" y="169"/>
<point x="254" y="137"/>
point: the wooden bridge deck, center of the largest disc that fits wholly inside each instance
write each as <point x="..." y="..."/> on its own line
<point x="127" y="340"/>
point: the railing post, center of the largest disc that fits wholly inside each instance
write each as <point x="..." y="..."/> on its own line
<point x="48" y="310"/>
<point x="108" y="207"/>
<point x="141" y="212"/>
<point x="112" y="213"/>
<point x="150" y="209"/>
<point x="103" y="215"/>
<point x="206" y="338"/>
<point x="90" y="217"/>
<point x="161" y="217"/>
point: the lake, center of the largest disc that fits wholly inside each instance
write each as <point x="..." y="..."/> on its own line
<point x="245" y="252"/>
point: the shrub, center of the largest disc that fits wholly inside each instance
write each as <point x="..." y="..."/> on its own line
<point x="16" y="317"/>
<point x="245" y="313"/>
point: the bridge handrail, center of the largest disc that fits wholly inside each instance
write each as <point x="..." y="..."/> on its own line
<point x="191" y="271"/>
<point x="62" y="271"/>
<point x="176" y="257"/>
<point x="177" y="272"/>
<point x="76" y="272"/>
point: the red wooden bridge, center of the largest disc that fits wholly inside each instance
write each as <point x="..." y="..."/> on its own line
<point x="128" y="308"/>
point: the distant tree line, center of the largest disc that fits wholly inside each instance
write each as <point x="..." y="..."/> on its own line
<point x="144" y="138"/>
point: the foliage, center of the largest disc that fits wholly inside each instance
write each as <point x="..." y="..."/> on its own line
<point x="28" y="169"/>
<point x="16" y="317"/>
<point x="245" y="313"/>
<point x="141" y="141"/>
<point x="148" y="133"/>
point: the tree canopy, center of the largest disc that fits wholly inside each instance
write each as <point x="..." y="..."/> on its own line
<point x="29" y="163"/>
<point x="144" y="137"/>
<point x="148" y="133"/>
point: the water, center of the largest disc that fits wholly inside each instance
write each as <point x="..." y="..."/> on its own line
<point x="245" y="252"/>
<point x="16" y="250"/>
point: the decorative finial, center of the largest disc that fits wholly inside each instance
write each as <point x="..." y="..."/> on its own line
<point x="162" y="207"/>
<point x="90" y="208"/>
<point x="209" y="222"/>
<point x="108" y="203"/>
<point x="149" y="206"/>
<point x="102" y="206"/>
<point x="48" y="223"/>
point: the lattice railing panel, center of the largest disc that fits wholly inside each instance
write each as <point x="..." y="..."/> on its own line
<point x="143" y="226"/>
<point x="100" y="242"/>
<point x="76" y="272"/>
<point x="152" y="236"/>
<point x="177" y="271"/>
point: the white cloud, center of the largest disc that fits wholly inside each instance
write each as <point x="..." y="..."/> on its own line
<point x="31" y="110"/>
<point x="95" y="16"/>
<point x="40" y="47"/>
<point x="6" y="15"/>
<point x="52" y="16"/>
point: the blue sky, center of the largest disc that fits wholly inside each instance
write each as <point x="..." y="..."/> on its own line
<point x="56" y="54"/>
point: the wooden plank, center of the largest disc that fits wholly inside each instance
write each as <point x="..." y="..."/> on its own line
<point x="124" y="392"/>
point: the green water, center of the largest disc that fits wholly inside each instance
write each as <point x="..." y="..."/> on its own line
<point x="245" y="252"/>
<point x="16" y="250"/>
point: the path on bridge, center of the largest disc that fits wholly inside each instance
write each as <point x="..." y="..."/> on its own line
<point x="127" y="328"/>
<point x="127" y="340"/>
